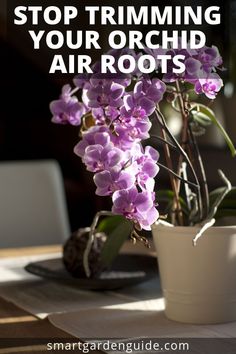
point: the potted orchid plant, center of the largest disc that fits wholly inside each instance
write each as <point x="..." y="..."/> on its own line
<point x="116" y="114"/>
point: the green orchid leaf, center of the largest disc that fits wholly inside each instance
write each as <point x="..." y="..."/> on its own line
<point x="228" y="203"/>
<point x="108" y="223"/>
<point x="166" y="195"/>
<point x="206" y="111"/>
<point x="118" y="230"/>
<point x="218" y="196"/>
<point x="222" y="213"/>
<point x="215" y="194"/>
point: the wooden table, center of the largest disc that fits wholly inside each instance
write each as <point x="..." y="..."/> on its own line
<point x="16" y="323"/>
<point x="18" y="326"/>
<point x="20" y="332"/>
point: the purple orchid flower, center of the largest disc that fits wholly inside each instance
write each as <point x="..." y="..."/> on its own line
<point x="102" y="93"/>
<point x="67" y="109"/>
<point x="95" y="135"/>
<point x="199" y="64"/>
<point x="81" y="81"/>
<point x="210" y="58"/>
<point x="143" y="101"/>
<point x="112" y="180"/>
<point x="132" y="130"/>
<point x="98" y="158"/>
<point x="135" y="206"/>
<point x="105" y="115"/>
<point x="147" y="168"/>
<point x="210" y="86"/>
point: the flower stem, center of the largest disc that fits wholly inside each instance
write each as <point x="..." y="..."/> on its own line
<point x="184" y="136"/>
<point x="183" y="154"/>
<point x="203" y="180"/>
<point x="177" y="205"/>
<point x="162" y="123"/>
<point x="185" y="143"/>
<point x="177" y="176"/>
<point x="163" y="141"/>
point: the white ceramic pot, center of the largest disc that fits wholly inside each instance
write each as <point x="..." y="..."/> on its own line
<point x="198" y="283"/>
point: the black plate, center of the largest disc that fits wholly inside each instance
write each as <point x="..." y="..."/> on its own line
<point x="127" y="270"/>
